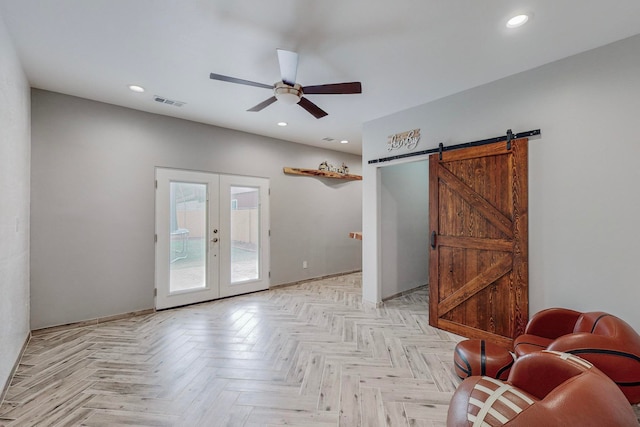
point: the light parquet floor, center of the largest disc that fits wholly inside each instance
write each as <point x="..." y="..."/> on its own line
<point x="306" y="355"/>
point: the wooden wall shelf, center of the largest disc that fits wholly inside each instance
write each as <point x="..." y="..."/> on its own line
<point x="322" y="174"/>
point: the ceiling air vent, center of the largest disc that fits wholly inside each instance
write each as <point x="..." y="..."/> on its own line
<point x="168" y="101"/>
<point x="328" y="139"/>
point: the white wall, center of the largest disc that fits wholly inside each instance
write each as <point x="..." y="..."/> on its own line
<point x="584" y="202"/>
<point x="404" y="227"/>
<point x="14" y="206"/>
<point x="93" y="203"/>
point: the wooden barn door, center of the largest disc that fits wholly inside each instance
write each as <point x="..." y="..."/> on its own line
<point x="478" y="271"/>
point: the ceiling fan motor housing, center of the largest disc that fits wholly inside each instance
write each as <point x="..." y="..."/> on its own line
<point x="287" y="94"/>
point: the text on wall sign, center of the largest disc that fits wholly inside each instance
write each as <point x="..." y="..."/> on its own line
<point x="408" y="139"/>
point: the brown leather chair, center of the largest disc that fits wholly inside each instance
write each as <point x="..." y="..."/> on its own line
<point x="604" y="340"/>
<point x="544" y="389"/>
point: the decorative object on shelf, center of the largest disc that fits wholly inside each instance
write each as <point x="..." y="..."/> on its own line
<point x="323" y="173"/>
<point x="355" y="235"/>
<point x="408" y="139"/>
<point x="325" y="166"/>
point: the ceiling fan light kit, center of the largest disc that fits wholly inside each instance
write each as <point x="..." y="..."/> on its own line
<point x="290" y="92"/>
<point x="287" y="94"/>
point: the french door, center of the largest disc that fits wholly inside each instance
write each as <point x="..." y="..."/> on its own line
<point x="212" y="236"/>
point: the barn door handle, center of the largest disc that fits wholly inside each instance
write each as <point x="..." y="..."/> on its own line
<point x="433" y="239"/>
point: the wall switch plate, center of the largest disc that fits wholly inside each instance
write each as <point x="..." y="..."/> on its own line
<point x="304" y="264"/>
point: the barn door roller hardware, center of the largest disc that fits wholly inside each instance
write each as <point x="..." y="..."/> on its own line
<point x="508" y="137"/>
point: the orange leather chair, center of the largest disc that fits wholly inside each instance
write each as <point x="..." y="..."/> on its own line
<point x="544" y="389"/>
<point x="604" y="340"/>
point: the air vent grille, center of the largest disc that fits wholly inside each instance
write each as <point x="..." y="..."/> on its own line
<point x="167" y="101"/>
<point x="328" y="139"/>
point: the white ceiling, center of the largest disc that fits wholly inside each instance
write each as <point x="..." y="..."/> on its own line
<point x="405" y="52"/>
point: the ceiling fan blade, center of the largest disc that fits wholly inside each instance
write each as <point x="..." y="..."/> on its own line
<point x="263" y="104"/>
<point x="316" y="111"/>
<point x="288" y="66"/>
<point x="220" y="77"/>
<point x="333" y="89"/>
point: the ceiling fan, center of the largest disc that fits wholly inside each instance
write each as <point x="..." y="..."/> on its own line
<point x="289" y="91"/>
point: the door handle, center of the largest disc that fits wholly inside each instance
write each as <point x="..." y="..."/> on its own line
<point x="433" y="239"/>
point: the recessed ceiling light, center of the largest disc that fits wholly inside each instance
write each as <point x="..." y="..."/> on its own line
<point x="136" y="88"/>
<point x="344" y="141"/>
<point x="282" y="124"/>
<point x="517" y="21"/>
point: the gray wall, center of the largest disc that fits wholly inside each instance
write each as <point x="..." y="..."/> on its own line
<point x="92" y="250"/>
<point x="584" y="202"/>
<point x="14" y="207"/>
<point x="404" y="227"/>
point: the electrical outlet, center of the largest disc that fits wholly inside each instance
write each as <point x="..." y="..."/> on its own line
<point x="304" y="264"/>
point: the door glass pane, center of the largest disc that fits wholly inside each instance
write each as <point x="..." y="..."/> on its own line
<point x="245" y="233"/>
<point x="188" y="234"/>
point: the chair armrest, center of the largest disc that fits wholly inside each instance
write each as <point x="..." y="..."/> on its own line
<point x="552" y="322"/>
<point x="541" y="372"/>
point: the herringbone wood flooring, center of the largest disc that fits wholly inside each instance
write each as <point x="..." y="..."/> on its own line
<point x="305" y="355"/>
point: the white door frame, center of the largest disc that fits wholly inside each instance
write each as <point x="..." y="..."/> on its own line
<point x="218" y="247"/>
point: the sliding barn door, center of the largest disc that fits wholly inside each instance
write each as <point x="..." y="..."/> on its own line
<point x="478" y="271"/>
